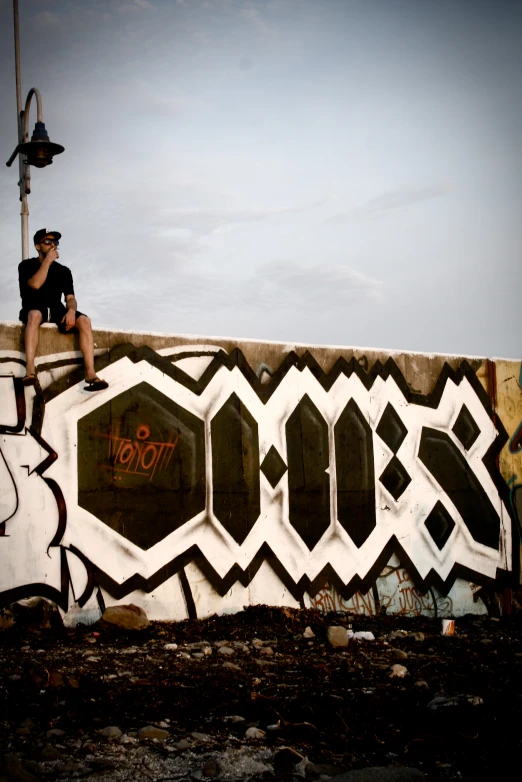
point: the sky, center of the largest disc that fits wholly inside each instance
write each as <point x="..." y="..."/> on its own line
<point x="342" y="172"/>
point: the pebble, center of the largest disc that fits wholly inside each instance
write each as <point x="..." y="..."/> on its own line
<point x="151" y="732"/>
<point x="399" y="654"/>
<point x="211" y="768"/>
<point x="48" y="752"/>
<point x="398" y="671"/>
<point x="201" y="737"/>
<point x="225" y="650"/>
<point x="111" y="732"/>
<point x="54" y="732"/>
<point x="422" y="684"/>
<point x="170" y="646"/>
<point x="337" y="636"/>
<point x="233" y="718"/>
<point x="128" y="617"/>
<point x="254" y="733"/>
<point x="232" y="667"/>
<point x="308" y="633"/>
<point x="267" y="651"/>
<point x="241" y="646"/>
<point x="183" y="744"/>
<point x="70" y="768"/>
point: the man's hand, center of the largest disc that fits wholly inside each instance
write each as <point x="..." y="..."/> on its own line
<point x="52" y="255"/>
<point x="69" y="319"/>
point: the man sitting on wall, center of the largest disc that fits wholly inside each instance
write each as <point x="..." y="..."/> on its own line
<point x="43" y="281"/>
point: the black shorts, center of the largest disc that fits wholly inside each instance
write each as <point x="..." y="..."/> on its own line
<point x="54" y="315"/>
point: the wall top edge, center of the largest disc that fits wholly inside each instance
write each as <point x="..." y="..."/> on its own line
<point x="288" y="345"/>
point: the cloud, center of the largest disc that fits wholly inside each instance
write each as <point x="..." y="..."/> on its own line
<point x="392" y="201"/>
<point x="204" y="222"/>
<point x="165" y="301"/>
<point x="251" y="14"/>
<point x="299" y="285"/>
<point x="142" y="5"/>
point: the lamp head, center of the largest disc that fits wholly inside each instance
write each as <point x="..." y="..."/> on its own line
<point x="40" y="151"/>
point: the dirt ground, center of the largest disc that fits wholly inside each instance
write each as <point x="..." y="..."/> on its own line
<point x="456" y="713"/>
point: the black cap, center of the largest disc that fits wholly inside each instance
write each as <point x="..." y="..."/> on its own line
<point x="39" y="235"/>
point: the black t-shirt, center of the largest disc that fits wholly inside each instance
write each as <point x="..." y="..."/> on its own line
<point x="59" y="282"/>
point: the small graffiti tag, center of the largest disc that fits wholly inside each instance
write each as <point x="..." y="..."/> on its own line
<point x="139" y="456"/>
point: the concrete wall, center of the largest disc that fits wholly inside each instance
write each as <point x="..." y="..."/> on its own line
<point x="215" y="473"/>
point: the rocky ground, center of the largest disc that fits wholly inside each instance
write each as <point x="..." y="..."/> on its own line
<point x="260" y="695"/>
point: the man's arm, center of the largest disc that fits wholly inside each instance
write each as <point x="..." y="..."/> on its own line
<point x="70" y="316"/>
<point x="38" y="279"/>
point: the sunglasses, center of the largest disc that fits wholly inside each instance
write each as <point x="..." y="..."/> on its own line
<point x="56" y="242"/>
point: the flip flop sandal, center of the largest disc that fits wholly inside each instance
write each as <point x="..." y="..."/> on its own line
<point x="30" y="380"/>
<point x="96" y="385"/>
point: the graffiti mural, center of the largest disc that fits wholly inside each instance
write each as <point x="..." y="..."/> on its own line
<point x="205" y="485"/>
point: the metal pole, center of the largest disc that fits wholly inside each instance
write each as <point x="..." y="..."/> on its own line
<point x="23" y="169"/>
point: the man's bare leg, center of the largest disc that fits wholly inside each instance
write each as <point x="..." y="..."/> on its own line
<point x="83" y="324"/>
<point x="34" y="318"/>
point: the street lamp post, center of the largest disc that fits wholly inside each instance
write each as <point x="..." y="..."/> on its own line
<point x="39" y="151"/>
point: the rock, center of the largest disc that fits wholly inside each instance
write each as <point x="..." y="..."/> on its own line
<point x="233" y="718"/>
<point x="267" y="651"/>
<point x="232" y="667"/>
<point x="101" y="764"/>
<point x="37" y="612"/>
<point x="183" y="744"/>
<point x="285" y="760"/>
<point x="399" y="654"/>
<point x="398" y="671"/>
<point x="47" y="752"/>
<point x="308" y="633"/>
<point x="54" y="733"/>
<point x="443" y="702"/>
<point x="202" y="738"/>
<point x="227" y="650"/>
<point x="211" y="768"/>
<point x="198" y="655"/>
<point x="337" y="636"/>
<point x="11" y="770"/>
<point x="362" y="635"/>
<point x="264" y="663"/>
<point x="6" y="619"/>
<point x="254" y="733"/>
<point x="151" y="732"/>
<point x="128" y="617"/>
<point x="70" y="767"/>
<point x="397" y="634"/>
<point x="170" y="646"/>
<point x="111" y="732"/>
<point x="421" y="684"/>
<point x="315" y="770"/>
<point x="381" y="774"/>
<point x="418" y="636"/>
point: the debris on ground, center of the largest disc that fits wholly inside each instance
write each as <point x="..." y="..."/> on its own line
<point x="264" y="694"/>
